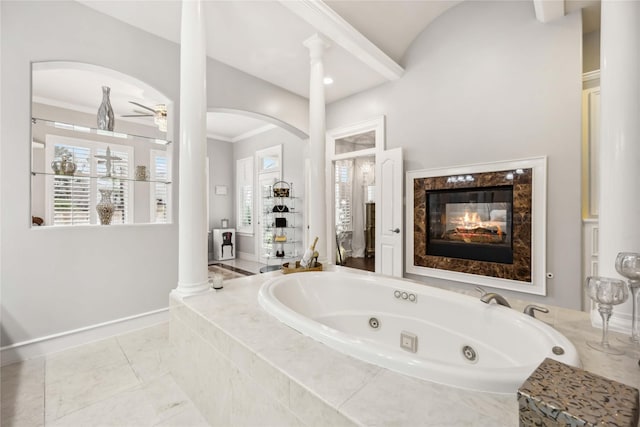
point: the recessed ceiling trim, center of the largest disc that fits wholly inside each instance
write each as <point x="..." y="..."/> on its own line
<point x="254" y="132"/>
<point x="332" y="25"/>
<point x="219" y="137"/>
<point x="548" y="10"/>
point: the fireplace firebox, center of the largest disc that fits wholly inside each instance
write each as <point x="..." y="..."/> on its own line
<point x="474" y="224"/>
<point x="481" y="224"/>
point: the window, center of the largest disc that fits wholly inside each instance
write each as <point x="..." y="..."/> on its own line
<point x="244" y="191"/>
<point x="160" y="192"/>
<point x="72" y="198"/>
<point x="344" y="195"/>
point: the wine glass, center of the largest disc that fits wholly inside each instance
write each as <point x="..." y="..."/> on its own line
<point x="628" y="265"/>
<point x="607" y="292"/>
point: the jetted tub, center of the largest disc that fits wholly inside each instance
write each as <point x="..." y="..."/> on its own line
<point x="459" y="340"/>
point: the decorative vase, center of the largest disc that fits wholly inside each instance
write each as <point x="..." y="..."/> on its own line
<point x="64" y="166"/>
<point x="105" y="207"/>
<point x="105" y="112"/>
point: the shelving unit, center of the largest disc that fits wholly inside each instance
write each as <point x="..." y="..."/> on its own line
<point x="280" y="242"/>
<point x="95" y="131"/>
<point x="74" y="194"/>
<point x="105" y="177"/>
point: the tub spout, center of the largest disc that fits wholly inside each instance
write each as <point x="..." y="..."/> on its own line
<point x="492" y="296"/>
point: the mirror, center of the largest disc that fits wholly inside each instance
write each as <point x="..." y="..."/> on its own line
<point x="100" y="153"/>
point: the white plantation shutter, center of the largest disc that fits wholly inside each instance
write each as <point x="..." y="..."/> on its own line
<point x="244" y="186"/>
<point x="160" y="194"/>
<point x="72" y="194"/>
<point x="73" y="197"/>
<point x="344" y="195"/>
<point x="72" y="200"/>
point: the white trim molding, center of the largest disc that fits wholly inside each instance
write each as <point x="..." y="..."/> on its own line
<point x="43" y="346"/>
<point x="591" y="75"/>
<point x="333" y="26"/>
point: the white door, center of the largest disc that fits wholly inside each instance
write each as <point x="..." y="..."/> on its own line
<point x="389" y="218"/>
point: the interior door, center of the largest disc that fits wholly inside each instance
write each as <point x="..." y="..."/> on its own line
<point x="389" y="218"/>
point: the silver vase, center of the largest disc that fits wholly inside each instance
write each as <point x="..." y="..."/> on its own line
<point x="105" y="207"/>
<point x="105" y="112"/>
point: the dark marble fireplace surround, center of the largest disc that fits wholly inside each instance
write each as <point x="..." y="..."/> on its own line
<point x="522" y="182"/>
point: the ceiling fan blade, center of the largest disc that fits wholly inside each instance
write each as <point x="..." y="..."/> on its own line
<point x="137" y="115"/>
<point x="143" y="106"/>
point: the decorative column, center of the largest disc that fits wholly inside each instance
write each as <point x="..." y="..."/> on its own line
<point x="315" y="172"/>
<point x="192" y="237"/>
<point x="619" y="199"/>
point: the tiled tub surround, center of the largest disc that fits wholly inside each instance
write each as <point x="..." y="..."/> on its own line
<point x="241" y="366"/>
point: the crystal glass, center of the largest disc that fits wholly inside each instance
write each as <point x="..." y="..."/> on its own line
<point x="606" y="292"/>
<point x="628" y="265"/>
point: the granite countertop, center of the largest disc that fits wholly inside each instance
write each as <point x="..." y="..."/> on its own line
<point x="370" y="395"/>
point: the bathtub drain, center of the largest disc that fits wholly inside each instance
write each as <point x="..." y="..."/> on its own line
<point x="374" y="323"/>
<point x="469" y="353"/>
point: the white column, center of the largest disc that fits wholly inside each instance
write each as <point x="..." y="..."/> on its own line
<point x="619" y="199"/>
<point x="192" y="237"/>
<point x="315" y="173"/>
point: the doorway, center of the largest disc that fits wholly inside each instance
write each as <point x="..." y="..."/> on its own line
<point x="354" y="211"/>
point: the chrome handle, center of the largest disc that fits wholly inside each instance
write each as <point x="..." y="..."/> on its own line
<point x="394" y="230"/>
<point x="531" y="309"/>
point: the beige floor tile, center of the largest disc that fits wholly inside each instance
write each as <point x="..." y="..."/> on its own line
<point x="77" y="391"/>
<point x="128" y="408"/>
<point x="148" y="351"/>
<point x="22" y="379"/>
<point x="28" y="368"/>
<point x="23" y="393"/>
<point x="189" y="416"/>
<point x="122" y="381"/>
<point x="141" y="406"/>
<point x="85" y="358"/>
<point x="24" y="410"/>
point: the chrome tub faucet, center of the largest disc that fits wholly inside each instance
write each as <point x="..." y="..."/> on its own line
<point x="487" y="297"/>
<point x="492" y="296"/>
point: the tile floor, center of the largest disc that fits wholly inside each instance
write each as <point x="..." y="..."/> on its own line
<point x="243" y="264"/>
<point x="119" y="381"/>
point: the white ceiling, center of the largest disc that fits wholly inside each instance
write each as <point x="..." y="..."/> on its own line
<point x="265" y="39"/>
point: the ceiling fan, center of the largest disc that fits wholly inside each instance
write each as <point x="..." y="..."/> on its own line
<point x="159" y="114"/>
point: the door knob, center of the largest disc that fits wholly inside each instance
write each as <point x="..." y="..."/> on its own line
<point x="394" y="230"/>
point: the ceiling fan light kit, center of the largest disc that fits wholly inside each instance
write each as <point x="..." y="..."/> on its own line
<point x="158" y="112"/>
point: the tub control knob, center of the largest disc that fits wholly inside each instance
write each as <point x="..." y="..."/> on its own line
<point x="397" y="294"/>
<point x="405" y="295"/>
<point x="412" y="297"/>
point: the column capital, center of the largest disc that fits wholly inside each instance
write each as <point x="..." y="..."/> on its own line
<point x="316" y="44"/>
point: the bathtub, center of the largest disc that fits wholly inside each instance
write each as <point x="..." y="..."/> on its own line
<point x="416" y="330"/>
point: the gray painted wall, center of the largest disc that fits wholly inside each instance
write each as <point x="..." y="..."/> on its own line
<point x="293" y="149"/>
<point x="221" y="172"/>
<point x="486" y="82"/>
<point x="60" y="279"/>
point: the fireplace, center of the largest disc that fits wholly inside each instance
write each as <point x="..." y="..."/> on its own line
<point x="473" y="224"/>
<point x="482" y="224"/>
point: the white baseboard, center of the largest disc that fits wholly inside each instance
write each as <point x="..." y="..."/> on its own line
<point x="57" y="342"/>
